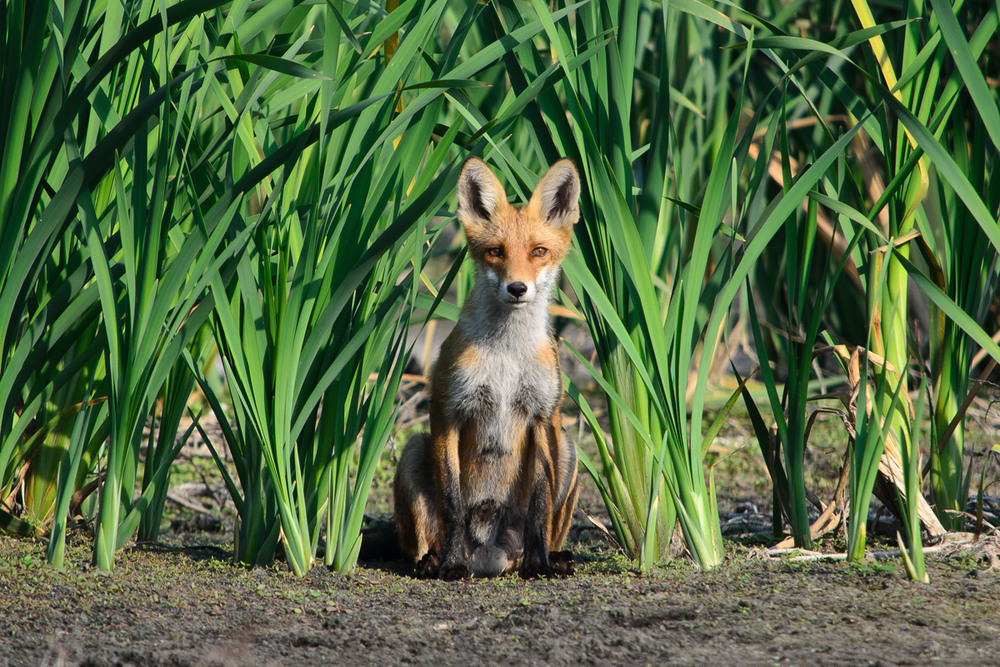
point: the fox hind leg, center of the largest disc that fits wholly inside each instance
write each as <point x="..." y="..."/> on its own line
<point x="562" y="514"/>
<point x="416" y="514"/>
<point x="553" y="499"/>
<point x="562" y="562"/>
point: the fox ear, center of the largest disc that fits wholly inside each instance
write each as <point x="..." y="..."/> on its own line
<point x="556" y="200"/>
<point x="480" y="194"/>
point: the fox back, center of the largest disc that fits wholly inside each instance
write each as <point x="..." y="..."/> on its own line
<point x="493" y="486"/>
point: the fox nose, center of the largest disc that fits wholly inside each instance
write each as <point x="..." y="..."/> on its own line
<point x="517" y="290"/>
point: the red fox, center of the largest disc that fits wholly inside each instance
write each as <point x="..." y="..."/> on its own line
<point x="492" y="487"/>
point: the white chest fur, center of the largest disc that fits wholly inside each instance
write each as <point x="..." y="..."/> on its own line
<point x="501" y="394"/>
<point x="507" y="379"/>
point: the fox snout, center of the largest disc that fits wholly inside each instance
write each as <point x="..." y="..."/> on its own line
<point x="511" y="290"/>
<point x="517" y="290"/>
<point x="517" y="293"/>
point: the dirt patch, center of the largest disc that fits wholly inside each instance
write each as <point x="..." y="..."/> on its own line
<point x="190" y="606"/>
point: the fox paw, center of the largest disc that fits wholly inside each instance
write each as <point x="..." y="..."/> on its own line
<point x="558" y="564"/>
<point x="562" y="562"/>
<point x="536" y="571"/>
<point x="428" y="566"/>
<point x="453" y="572"/>
<point x="535" y="567"/>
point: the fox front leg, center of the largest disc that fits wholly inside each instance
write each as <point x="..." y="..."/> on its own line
<point x="539" y="516"/>
<point x="453" y="565"/>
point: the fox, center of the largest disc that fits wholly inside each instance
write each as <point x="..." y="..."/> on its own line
<point x="492" y="487"/>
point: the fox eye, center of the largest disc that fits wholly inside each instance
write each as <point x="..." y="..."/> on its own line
<point x="494" y="252"/>
<point x="539" y="252"/>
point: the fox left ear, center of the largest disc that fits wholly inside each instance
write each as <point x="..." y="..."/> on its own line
<point x="480" y="195"/>
<point x="556" y="199"/>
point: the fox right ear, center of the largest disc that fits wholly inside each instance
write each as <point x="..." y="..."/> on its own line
<point x="556" y="199"/>
<point x="480" y="194"/>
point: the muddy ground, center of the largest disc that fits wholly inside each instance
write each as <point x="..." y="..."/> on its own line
<point x="181" y="601"/>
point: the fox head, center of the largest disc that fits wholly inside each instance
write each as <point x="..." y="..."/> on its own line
<point x="518" y="249"/>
